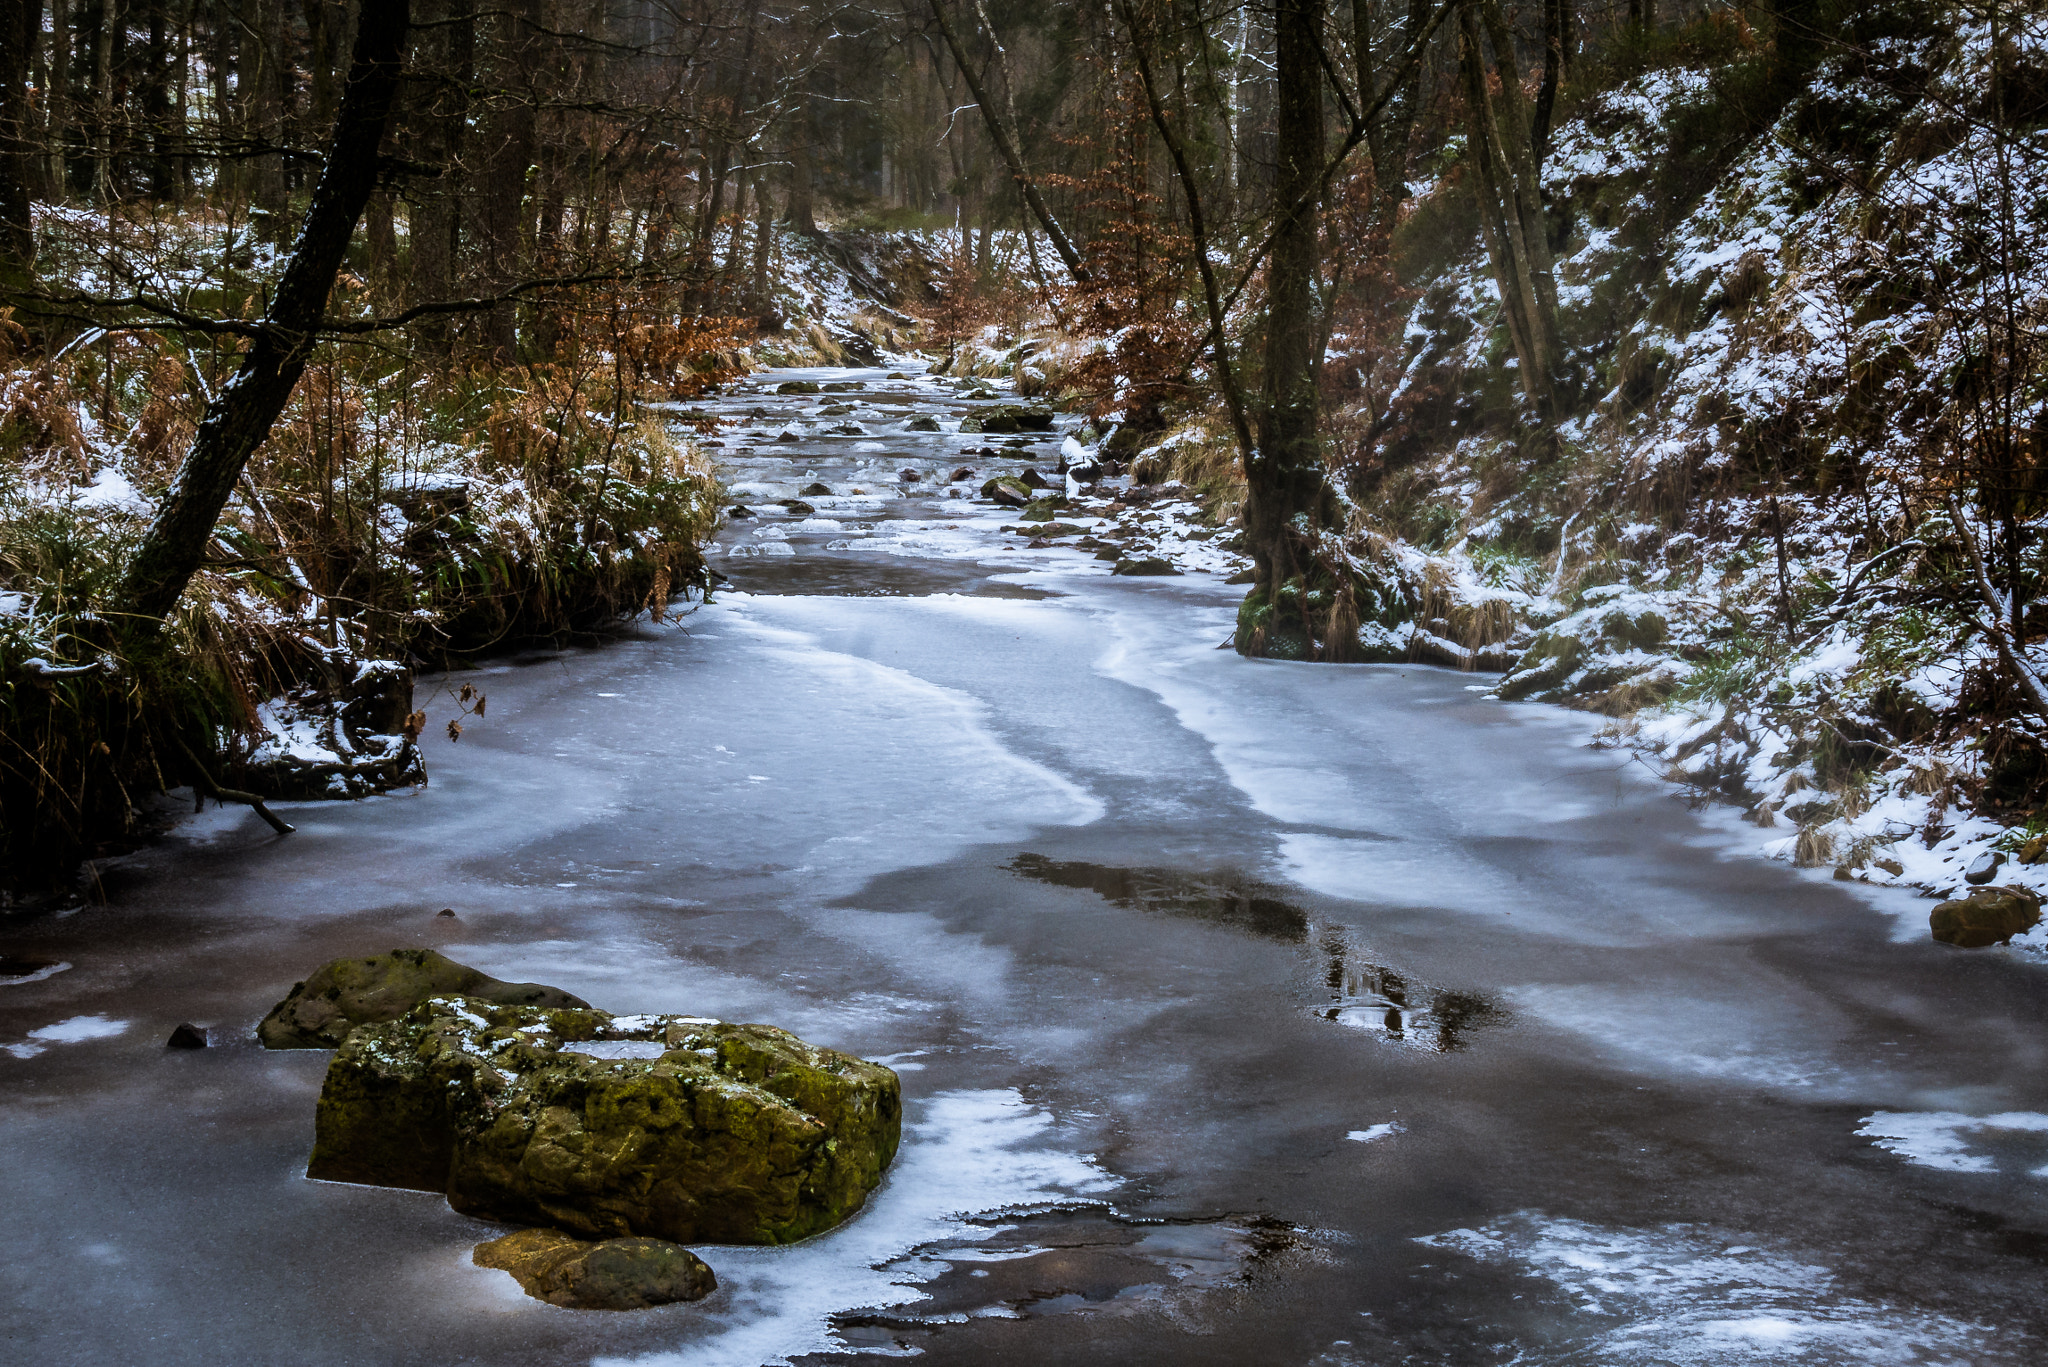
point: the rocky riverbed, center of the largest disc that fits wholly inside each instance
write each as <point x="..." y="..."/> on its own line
<point x="1243" y="1011"/>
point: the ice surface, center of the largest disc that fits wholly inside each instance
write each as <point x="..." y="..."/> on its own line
<point x="76" y="1030"/>
<point x="966" y="1153"/>
<point x="1936" y="1139"/>
<point x="1696" y="1296"/>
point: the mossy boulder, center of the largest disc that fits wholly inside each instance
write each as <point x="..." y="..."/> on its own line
<point x="319" y="1012"/>
<point x="614" y="1274"/>
<point x="1149" y="564"/>
<point x="1007" y="490"/>
<point x="1988" y="916"/>
<point x="923" y="422"/>
<point x="1010" y="417"/>
<point x="1042" y="509"/>
<point x="797" y="387"/>
<point x="672" y="1127"/>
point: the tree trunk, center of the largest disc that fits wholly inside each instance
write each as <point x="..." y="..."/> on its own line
<point x="446" y="58"/>
<point x="259" y="84"/>
<point x="1511" y="207"/>
<point x="17" y="235"/>
<point x="241" y="414"/>
<point x="1006" y="146"/>
<point x="1288" y="501"/>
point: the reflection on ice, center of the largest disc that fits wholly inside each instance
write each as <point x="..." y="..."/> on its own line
<point x="965" y="1154"/>
<point x="1225" y="898"/>
<point x="1695" y="1296"/>
<point x="1369" y="996"/>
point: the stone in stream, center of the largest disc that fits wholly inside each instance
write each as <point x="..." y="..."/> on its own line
<point x="186" y="1036"/>
<point x="1984" y="867"/>
<point x="962" y="473"/>
<point x="739" y="512"/>
<point x="1034" y="479"/>
<point x="910" y="476"/>
<point x="674" y="1127"/>
<point x="815" y="490"/>
<point x="1150" y="564"/>
<point x="787" y="437"/>
<point x="319" y="1012"/>
<point x="616" y="1274"/>
<point x="923" y="422"/>
<point x="1048" y="529"/>
<point x="797" y="387"/>
<point x="845" y="386"/>
<point x="1988" y="916"/>
<point x="1010" y="417"/>
<point x="796" y="507"/>
<point x="1007" y="490"/>
<point x="1042" y="509"/>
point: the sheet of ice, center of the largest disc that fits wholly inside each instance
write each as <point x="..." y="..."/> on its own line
<point x="1696" y="1296"/>
<point x="1383" y="1130"/>
<point x="1935" y="1139"/>
<point x="965" y="1154"/>
<point x="1390" y="872"/>
<point x="1694" y="1030"/>
<point x="76" y="1030"/>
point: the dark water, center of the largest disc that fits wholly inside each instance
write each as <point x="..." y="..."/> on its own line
<point x="1245" y="1012"/>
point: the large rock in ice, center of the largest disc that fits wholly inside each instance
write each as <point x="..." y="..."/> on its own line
<point x="672" y="1127"/>
<point x="319" y="1012"/>
<point x="616" y="1274"/>
<point x="1988" y="916"/>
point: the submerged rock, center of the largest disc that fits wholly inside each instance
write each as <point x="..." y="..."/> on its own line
<point x="1988" y="916"/>
<point x="319" y="1012"/>
<point x="616" y="1274"/>
<point x="668" y="1126"/>
<point x="186" y="1036"/>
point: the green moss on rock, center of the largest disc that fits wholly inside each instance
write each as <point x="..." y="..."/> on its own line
<point x="319" y="1012"/>
<point x="734" y="1134"/>
<point x="1988" y="916"/>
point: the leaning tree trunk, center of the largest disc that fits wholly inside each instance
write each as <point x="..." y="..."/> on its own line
<point x="240" y="416"/>
<point x="1288" y="501"/>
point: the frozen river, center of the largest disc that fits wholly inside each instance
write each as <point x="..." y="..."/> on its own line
<point x="1246" y="1012"/>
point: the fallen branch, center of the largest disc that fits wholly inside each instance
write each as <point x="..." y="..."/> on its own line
<point x="219" y="794"/>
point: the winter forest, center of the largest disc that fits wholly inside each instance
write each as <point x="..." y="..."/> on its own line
<point x="1364" y="682"/>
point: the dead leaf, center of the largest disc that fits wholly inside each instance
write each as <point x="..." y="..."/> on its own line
<point x="414" y="724"/>
<point x="454" y="729"/>
<point x="479" y="708"/>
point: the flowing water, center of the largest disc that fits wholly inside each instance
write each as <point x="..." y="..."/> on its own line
<point x="1246" y="1012"/>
